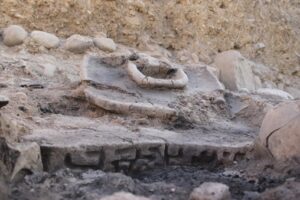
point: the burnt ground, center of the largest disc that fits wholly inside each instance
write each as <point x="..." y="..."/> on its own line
<point x="173" y="182"/>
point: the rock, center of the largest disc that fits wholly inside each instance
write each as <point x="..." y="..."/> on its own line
<point x="3" y="101"/>
<point x="49" y="69"/>
<point x="105" y="44"/>
<point x="274" y="94"/>
<point x="235" y="71"/>
<point x="18" y="158"/>
<point x="14" y="35"/>
<point x="289" y="190"/>
<point x="78" y="44"/>
<point x="279" y="132"/>
<point x="211" y="191"/>
<point x="45" y="39"/>
<point x="124" y="196"/>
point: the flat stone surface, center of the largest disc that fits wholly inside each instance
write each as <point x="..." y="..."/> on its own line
<point x="116" y="81"/>
<point x="80" y="142"/>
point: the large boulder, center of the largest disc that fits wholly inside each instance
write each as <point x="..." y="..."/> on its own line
<point x="78" y="43"/>
<point x="211" y="191"/>
<point x="236" y="71"/>
<point x="279" y="132"/>
<point x="18" y="158"/>
<point x="45" y="39"/>
<point x="14" y="35"/>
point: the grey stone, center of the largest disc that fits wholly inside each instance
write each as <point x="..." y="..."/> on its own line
<point x="78" y="43"/>
<point x="45" y="39"/>
<point x="14" y="35"/>
<point x="211" y="191"/>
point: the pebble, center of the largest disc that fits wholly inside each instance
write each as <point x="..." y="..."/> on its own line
<point x="14" y="35"/>
<point x="78" y="43"/>
<point x="45" y="39"/>
<point x="105" y="44"/>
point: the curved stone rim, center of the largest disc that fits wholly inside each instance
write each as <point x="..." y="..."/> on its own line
<point x="179" y="81"/>
<point x="152" y="110"/>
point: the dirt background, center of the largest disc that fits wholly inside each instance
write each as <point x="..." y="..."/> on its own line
<point x="192" y="29"/>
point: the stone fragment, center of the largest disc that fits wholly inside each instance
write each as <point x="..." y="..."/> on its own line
<point x="14" y="159"/>
<point x="235" y="71"/>
<point x="45" y="39"/>
<point x="78" y="43"/>
<point x="124" y="196"/>
<point x="274" y="94"/>
<point x="211" y="191"/>
<point x="279" y="132"/>
<point x="105" y="44"/>
<point x="3" y="101"/>
<point x="14" y="35"/>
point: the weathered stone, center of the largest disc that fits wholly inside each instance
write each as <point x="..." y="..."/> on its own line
<point x="14" y="35"/>
<point x="235" y="71"/>
<point x="19" y="157"/>
<point x="211" y="191"/>
<point x="3" y="101"/>
<point x="124" y="196"/>
<point x="78" y="43"/>
<point x="105" y="44"/>
<point x="274" y="94"/>
<point x="280" y="133"/>
<point x="45" y="39"/>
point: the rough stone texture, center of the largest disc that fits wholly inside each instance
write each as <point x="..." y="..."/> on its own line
<point x="3" y="101"/>
<point x="211" y="191"/>
<point x="78" y="44"/>
<point x="105" y="44"/>
<point x="280" y="131"/>
<point x="274" y="94"/>
<point x="117" y="86"/>
<point x="168" y="77"/>
<point x="92" y="144"/>
<point x="14" y="35"/>
<point x="124" y="196"/>
<point x="289" y="190"/>
<point x="18" y="157"/>
<point x="235" y="71"/>
<point x="45" y="39"/>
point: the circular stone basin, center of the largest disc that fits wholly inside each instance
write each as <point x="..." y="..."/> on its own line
<point x="161" y="76"/>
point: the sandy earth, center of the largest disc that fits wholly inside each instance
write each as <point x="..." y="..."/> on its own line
<point x="44" y="86"/>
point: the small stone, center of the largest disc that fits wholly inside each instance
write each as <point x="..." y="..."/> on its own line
<point x="45" y="39"/>
<point x="3" y="101"/>
<point x="124" y="196"/>
<point x="274" y="94"/>
<point x="105" y="44"/>
<point x="78" y="43"/>
<point x="14" y="35"/>
<point x="211" y="191"/>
